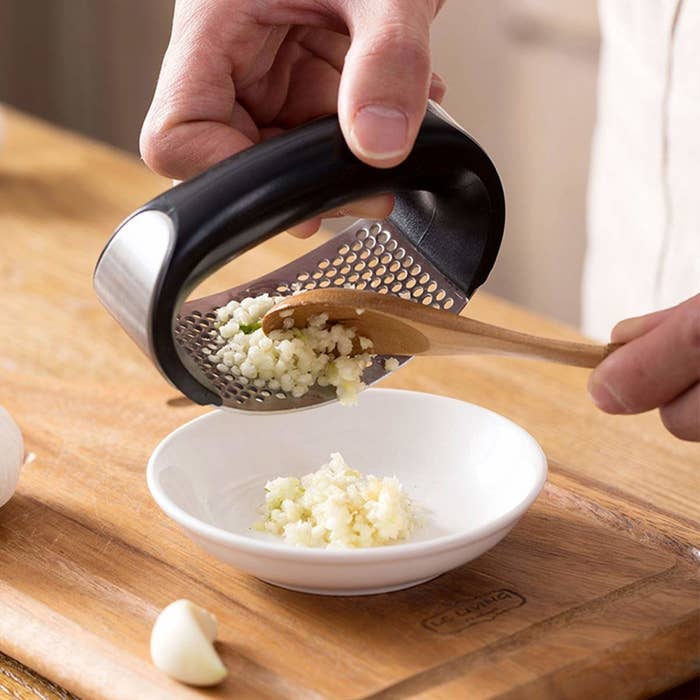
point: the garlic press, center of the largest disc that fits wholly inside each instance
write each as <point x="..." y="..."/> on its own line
<point x="437" y="246"/>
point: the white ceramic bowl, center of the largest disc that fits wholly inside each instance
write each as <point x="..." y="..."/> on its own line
<point x="472" y="473"/>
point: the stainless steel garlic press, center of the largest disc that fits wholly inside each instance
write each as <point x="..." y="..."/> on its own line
<point x="438" y="245"/>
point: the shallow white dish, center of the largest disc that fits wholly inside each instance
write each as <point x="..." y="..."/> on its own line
<point x="471" y="472"/>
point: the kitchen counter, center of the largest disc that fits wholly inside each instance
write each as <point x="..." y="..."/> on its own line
<point x="606" y="560"/>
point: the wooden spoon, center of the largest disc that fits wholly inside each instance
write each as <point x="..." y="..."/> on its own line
<point x="399" y="327"/>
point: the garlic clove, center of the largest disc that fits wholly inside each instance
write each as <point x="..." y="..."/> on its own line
<point x="11" y="456"/>
<point x="182" y="644"/>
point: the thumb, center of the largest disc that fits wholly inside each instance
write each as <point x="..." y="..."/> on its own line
<point x="386" y="78"/>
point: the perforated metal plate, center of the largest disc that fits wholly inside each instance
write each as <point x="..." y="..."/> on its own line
<point x="369" y="255"/>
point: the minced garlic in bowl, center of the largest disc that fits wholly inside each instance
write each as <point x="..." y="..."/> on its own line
<point x="336" y="507"/>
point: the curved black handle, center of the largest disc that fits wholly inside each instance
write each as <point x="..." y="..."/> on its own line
<point x="264" y="190"/>
<point x="449" y="202"/>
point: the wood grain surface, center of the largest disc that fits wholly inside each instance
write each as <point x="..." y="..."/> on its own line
<point x="593" y="594"/>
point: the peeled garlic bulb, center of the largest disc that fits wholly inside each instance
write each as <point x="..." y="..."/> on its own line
<point x="182" y="644"/>
<point x="11" y="456"/>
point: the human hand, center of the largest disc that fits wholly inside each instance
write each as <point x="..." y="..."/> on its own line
<point x="239" y="71"/>
<point x="658" y="367"/>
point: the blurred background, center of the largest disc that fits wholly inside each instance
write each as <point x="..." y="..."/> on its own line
<point x="521" y="75"/>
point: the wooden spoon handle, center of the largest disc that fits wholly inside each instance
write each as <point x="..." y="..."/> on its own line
<point x="564" y="352"/>
<point x="503" y="341"/>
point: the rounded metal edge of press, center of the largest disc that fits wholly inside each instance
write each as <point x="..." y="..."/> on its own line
<point x="128" y="273"/>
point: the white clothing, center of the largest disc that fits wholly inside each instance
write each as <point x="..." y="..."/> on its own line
<point x="644" y="194"/>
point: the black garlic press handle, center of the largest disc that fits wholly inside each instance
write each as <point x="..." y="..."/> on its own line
<point x="449" y="202"/>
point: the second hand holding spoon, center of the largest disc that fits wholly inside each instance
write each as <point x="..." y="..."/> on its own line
<point x="400" y="327"/>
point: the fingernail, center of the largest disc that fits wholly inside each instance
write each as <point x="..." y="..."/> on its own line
<point x="380" y="132"/>
<point x="605" y="397"/>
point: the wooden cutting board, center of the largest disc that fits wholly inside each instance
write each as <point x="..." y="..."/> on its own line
<point x="593" y="594"/>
